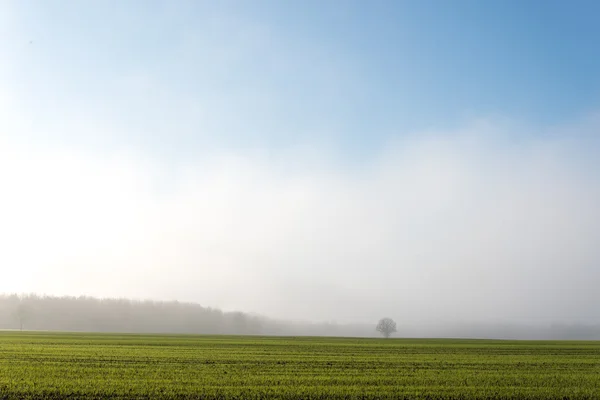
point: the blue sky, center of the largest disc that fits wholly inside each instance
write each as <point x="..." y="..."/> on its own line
<point x="425" y="160"/>
<point x="352" y="74"/>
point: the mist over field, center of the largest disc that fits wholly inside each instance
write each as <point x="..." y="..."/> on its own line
<point x="208" y="154"/>
<point x="87" y="314"/>
<point x="433" y="230"/>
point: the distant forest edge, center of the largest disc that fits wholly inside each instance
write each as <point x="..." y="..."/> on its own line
<point x="90" y="314"/>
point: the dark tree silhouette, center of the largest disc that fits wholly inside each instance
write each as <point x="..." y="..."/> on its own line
<point x="386" y="327"/>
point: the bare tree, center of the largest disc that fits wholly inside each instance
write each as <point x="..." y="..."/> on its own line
<point x="22" y="313"/>
<point x="386" y="327"/>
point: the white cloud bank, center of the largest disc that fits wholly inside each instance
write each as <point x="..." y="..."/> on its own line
<point x="467" y="225"/>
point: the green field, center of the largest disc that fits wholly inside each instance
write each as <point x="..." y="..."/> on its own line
<point x="49" y="365"/>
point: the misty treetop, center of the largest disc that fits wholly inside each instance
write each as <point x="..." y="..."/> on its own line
<point x="386" y="326"/>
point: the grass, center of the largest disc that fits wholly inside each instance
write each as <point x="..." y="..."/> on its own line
<point x="102" y="366"/>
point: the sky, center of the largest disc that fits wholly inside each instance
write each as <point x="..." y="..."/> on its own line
<point x="324" y="161"/>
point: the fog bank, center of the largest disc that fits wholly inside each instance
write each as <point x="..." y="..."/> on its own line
<point x="87" y="314"/>
<point x="475" y="225"/>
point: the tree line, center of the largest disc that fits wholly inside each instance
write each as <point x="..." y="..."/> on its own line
<point x="90" y="314"/>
